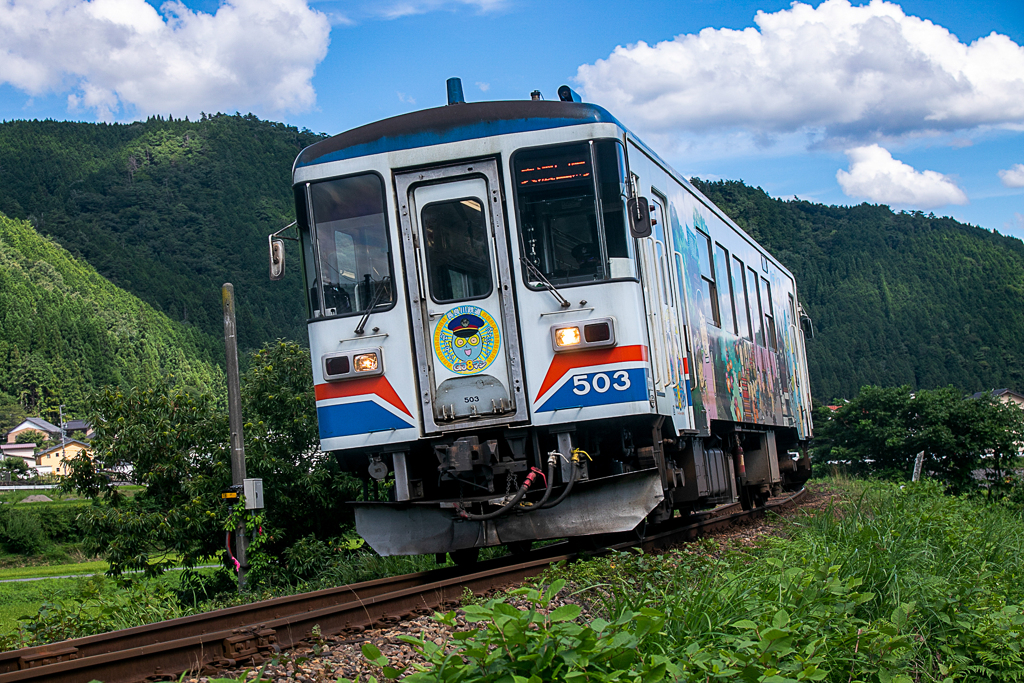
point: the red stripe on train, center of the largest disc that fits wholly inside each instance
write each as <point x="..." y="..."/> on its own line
<point x="564" y="362"/>
<point x="358" y="387"/>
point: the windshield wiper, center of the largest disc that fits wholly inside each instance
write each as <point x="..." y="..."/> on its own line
<point x="535" y="273"/>
<point x="381" y="289"/>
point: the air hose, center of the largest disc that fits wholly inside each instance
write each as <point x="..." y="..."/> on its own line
<point x="572" y="478"/>
<point x="549" y="484"/>
<point x="507" y="507"/>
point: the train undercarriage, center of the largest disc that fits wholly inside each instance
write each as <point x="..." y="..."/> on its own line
<point x="507" y="486"/>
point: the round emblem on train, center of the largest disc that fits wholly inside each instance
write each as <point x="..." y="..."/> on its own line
<point x="466" y="340"/>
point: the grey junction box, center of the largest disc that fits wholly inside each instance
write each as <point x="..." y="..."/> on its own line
<point x="253" y="490"/>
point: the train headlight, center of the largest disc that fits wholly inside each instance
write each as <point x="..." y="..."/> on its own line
<point x="365" y="362"/>
<point x="567" y="336"/>
<point x="586" y="334"/>
<point x="353" y="364"/>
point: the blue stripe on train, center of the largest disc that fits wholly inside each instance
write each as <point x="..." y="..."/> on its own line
<point x="598" y="389"/>
<point x="364" y="417"/>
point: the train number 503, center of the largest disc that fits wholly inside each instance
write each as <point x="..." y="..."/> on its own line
<point x="600" y="382"/>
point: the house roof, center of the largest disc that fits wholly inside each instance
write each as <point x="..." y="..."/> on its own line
<point x="996" y="393"/>
<point x="77" y="426"/>
<point x="64" y="445"/>
<point x="38" y="423"/>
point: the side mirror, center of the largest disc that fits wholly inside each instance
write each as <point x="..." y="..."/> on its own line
<point x="276" y="257"/>
<point x="806" y="325"/>
<point x="639" y="217"/>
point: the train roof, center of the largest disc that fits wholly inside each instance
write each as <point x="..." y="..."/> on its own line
<point x="452" y="123"/>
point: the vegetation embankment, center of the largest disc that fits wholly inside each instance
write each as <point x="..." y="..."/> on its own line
<point x="898" y="584"/>
<point x="65" y="332"/>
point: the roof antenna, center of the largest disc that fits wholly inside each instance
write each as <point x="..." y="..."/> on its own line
<point x="455" y="95"/>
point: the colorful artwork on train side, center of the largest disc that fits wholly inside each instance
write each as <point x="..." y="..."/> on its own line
<point x="733" y="378"/>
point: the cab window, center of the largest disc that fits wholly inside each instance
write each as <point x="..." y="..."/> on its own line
<point x="571" y="207"/>
<point x="353" y="256"/>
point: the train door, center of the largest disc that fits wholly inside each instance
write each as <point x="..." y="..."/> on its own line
<point x="463" y="314"/>
<point x="657" y="282"/>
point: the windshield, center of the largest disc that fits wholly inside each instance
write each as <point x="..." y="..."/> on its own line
<point x="352" y="246"/>
<point x="561" y="193"/>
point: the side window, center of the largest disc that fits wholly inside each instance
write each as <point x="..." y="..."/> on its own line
<point x="769" y="317"/>
<point x="755" y="307"/>
<point x="611" y="182"/>
<point x="710" y="298"/>
<point x="658" y="221"/>
<point x="740" y="294"/>
<point x="308" y="257"/>
<point x="724" y="289"/>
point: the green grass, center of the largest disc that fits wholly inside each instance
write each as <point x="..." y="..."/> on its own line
<point x="82" y="568"/>
<point x="25" y="598"/>
<point x="893" y="585"/>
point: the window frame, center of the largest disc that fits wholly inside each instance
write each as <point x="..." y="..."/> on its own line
<point x="311" y="225"/>
<point x="712" y="293"/>
<point x="598" y="208"/>
<point x="770" y="333"/>
<point x="728" y="277"/>
<point x="491" y="270"/>
<point x="742" y="267"/>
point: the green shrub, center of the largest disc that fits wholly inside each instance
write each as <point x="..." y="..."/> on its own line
<point x="22" y="534"/>
<point x="536" y="645"/>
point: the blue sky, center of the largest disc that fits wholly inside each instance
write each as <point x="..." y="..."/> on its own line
<point x="913" y="104"/>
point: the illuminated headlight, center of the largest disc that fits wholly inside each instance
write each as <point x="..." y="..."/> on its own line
<point x="365" y="362"/>
<point x="586" y="334"/>
<point x="353" y="364"/>
<point x="567" y="336"/>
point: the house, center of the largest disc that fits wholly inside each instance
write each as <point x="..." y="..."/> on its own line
<point x="54" y="460"/>
<point x="1007" y="396"/>
<point x="73" y="426"/>
<point x="45" y="429"/>
<point x="23" y="451"/>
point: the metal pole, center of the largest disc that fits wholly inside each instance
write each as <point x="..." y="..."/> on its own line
<point x="227" y="293"/>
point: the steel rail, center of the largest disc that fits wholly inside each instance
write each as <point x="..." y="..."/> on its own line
<point x="250" y="634"/>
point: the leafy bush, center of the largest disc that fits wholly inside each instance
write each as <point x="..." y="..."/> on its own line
<point x="536" y="645"/>
<point x="22" y="534"/>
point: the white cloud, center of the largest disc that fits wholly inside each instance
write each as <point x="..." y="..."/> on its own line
<point x="405" y="8"/>
<point x="835" y="72"/>
<point x="122" y="58"/>
<point x="483" y="86"/>
<point x="1013" y="177"/>
<point x="406" y="99"/>
<point x="876" y="176"/>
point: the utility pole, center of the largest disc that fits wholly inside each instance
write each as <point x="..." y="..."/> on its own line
<point x="227" y="293"/>
<point x="63" y="439"/>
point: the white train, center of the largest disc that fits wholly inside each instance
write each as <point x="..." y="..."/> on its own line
<point x="531" y="327"/>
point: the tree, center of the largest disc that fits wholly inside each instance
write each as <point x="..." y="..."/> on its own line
<point x="16" y="467"/>
<point x="881" y="431"/>
<point x="175" y="443"/>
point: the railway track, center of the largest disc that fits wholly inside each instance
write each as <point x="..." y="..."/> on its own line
<point x="251" y="634"/>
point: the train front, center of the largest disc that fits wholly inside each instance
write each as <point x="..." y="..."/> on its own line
<point x="476" y="325"/>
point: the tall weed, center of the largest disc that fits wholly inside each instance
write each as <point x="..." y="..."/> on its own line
<point x="900" y="584"/>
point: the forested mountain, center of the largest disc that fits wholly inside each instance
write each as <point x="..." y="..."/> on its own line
<point x="171" y="209"/>
<point x="896" y="298"/>
<point x="166" y="209"/>
<point x="65" y="330"/>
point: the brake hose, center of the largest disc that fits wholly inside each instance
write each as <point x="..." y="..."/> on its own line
<point x="507" y="506"/>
